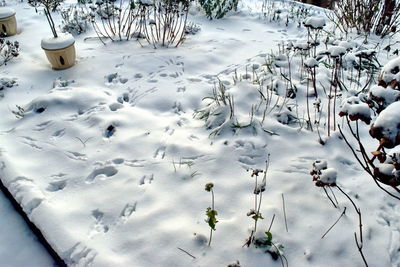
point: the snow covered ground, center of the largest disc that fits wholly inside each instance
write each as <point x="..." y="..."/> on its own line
<point x="110" y="157"/>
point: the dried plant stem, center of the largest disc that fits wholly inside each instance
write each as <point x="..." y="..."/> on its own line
<point x="359" y="238"/>
<point x="330" y="228"/>
<point x="284" y="212"/>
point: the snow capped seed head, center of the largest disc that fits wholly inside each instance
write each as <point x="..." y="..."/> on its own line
<point x="311" y="63"/>
<point x="328" y="176"/>
<point x="390" y="74"/>
<point x="320" y="165"/>
<point x="355" y="109"/>
<point x="387" y="126"/>
<point x="315" y="23"/>
<point x="336" y="51"/>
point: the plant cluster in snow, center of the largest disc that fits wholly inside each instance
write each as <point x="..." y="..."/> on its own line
<point x="322" y="175"/>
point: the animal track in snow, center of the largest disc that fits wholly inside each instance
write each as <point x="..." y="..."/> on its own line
<point x="31" y="142"/>
<point x="135" y="163"/>
<point x="27" y="193"/>
<point x="114" y="78"/>
<point x="76" y="156"/>
<point x="79" y="255"/>
<point x="160" y="152"/>
<point x="127" y="212"/>
<point x="59" y="133"/>
<point x="42" y="126"/>
<point x="115" y="106"/>
<point x="56" y="186"/>
<point x="104" y="171"/>
<point x="148" y="178"/>
<point x="99" y="225"/>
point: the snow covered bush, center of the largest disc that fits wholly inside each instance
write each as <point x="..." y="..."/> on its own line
<point x="8" y="51"/>
<point x="217" y="9"/>
<point x="165" y="22"/>
<point x="75" y="19"/>
<point x="367" y="16"/>
<point x="114" y="20"/>
<point x="383" y="166"/>
<point x="159" y="22"/>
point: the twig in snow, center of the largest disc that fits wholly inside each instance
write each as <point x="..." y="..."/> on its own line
<point x="284" y="212"/>
<point x="186" y="252"/>
<point x="84" y="142"/>
<point x="330" y="228"/>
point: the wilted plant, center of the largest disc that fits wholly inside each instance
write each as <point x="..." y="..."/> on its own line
<point x="211" y="213"/>
<point x="259" y="188"/>
<point x="75" y="19"/>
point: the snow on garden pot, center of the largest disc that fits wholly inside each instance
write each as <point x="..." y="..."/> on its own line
<point x="60" y="51"/>
<point x="8" y="23"/>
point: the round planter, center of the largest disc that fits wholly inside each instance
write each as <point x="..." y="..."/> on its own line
<point x="60" y="51"/>
<point x="8" y="23"/>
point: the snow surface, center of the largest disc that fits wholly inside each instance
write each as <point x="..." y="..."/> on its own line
<point x="109" y="159"/>
<point x="62" y="41"/>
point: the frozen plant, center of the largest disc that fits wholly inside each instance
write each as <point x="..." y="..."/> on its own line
<point x="164" y="23"/>
<point x="274" y="249"/>
<point x="115" y="20"/>
<point x="7" y="83"/>
<point x="75" y="19"/>
<point x="8" y="51"/>
<point x="217" y="9"/>
<point x="367" y="16"/>
<point x="259" y="188"/>
<point x="382" y="164"/>
<point x="48" y="7"/>
<point x="326" y="178"/>
<point x="192" y="28"/>
<point x="211" y="212"/>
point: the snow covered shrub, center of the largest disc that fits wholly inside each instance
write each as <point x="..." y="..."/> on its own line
<point x="6" y="83"/>
<point x="383" y="165"/>
<point x="75" y="19"/>
<point x="217" y="9"/>
<point x="192" y="28"/>
<point x="8" y="51"/>
<point x="159" y="22"/>
<point x="367" y="16"/>
<point x="114" y="20"/>
<point x="164" y="22"/>
<point x="48" y="7"/>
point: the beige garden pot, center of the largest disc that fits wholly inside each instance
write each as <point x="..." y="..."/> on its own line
<point x="60" y="51"/>
<point x="8" y="23"/>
